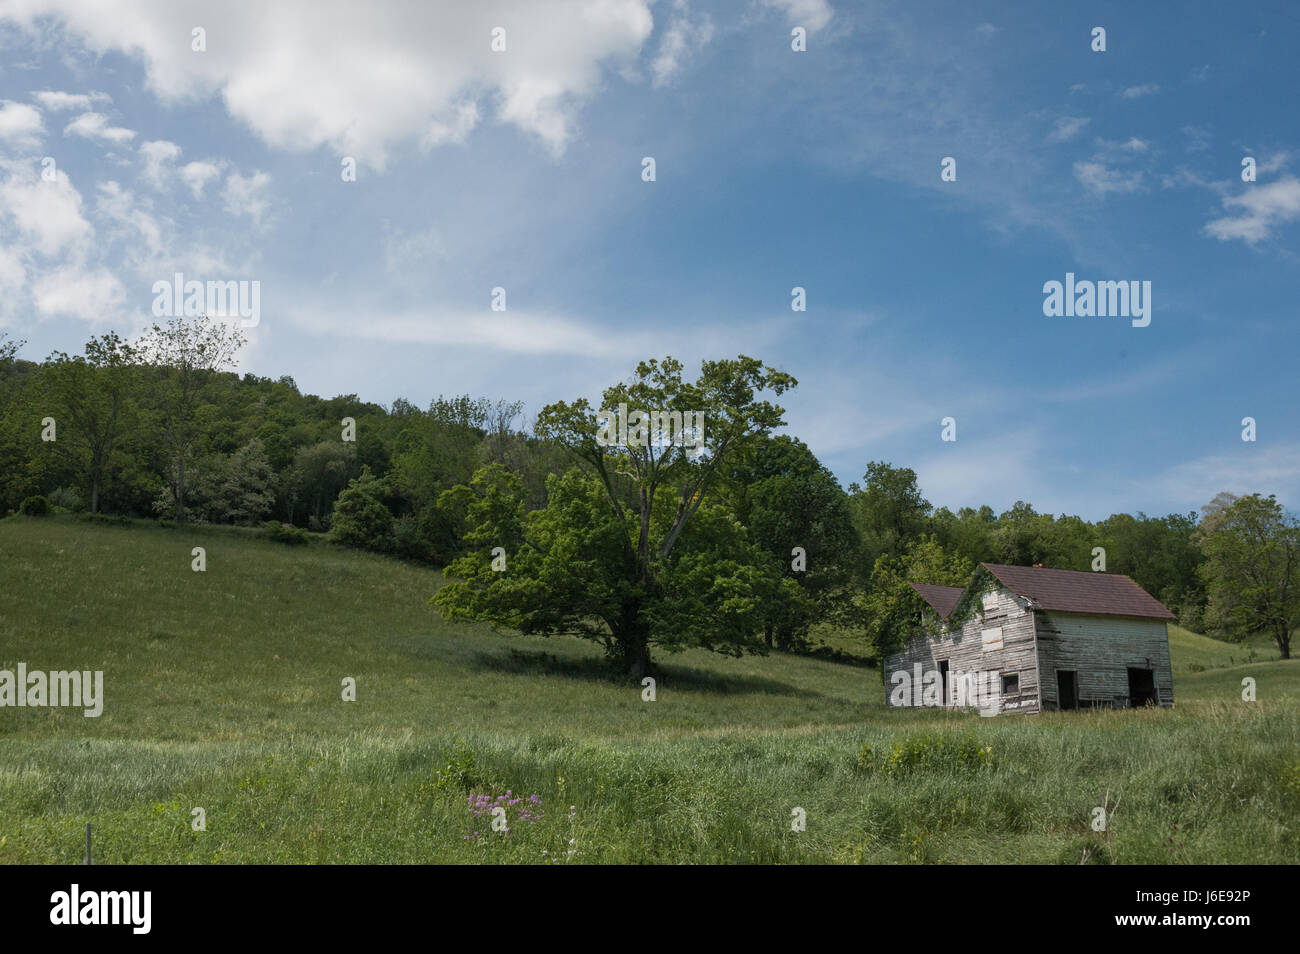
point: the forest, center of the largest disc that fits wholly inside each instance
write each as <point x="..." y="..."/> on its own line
<point x="752" y="547"/>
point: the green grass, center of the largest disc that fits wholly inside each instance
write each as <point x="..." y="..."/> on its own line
<point x="223" y="691"/>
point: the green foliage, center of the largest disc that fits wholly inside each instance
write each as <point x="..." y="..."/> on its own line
<point x="360" y="517"/>
<point x="66" y="500"/>
<point x="460" y="770"/>
<point x="1252" y="571"/>
<point x="932" y="752"/>
<point x="36" y="506"/>
<point x="893" y="611"/>
<point x="286" y="533"/>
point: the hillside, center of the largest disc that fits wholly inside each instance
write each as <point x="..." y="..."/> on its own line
<point x="223" y="692"/>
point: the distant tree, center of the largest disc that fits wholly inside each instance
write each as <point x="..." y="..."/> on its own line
<point x="893" y="611"/>
<point x="360" y="517"/>
<point x="889" y="510"/>
<point x="1252" y="570"/>
<point x="91" y="399"/>
<point x="187" y="353"/>
<point x="243" y="489"/>
<point x="788" y="500"/>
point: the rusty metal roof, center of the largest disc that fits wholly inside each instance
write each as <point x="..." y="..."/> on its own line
<point x="1076" y="591"/>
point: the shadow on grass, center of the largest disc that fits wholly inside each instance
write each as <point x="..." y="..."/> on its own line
<point x="681" y="678"/>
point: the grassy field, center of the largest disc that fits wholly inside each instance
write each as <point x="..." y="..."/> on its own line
<point x="223" y="692"/>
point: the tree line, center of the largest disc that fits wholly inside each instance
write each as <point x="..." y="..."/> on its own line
<point x="547" y="527"/>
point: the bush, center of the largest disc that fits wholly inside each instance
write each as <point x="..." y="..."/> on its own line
<point x="935" y="753"/>
<point x="66" y="500"/>
<point x="285" y="533"/>
<point x="460" y="770"/>
<point x="360" y="517"/>
<point x="35" y="507"/>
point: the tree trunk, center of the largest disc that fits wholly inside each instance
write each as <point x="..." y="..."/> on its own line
<point x="94" y="495"/>
<point x="633" y="642"/>
<point x="1284" y="641"/>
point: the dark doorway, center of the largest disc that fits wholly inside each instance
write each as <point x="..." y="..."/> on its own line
<point x="1067" y="693"/>
<point x="1142" y="688"/>
<point x="943" y="681"/>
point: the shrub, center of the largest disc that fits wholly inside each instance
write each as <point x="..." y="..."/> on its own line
<point x="286" y="533"/>
<point x="360" y="517"/>
<point x="460" y="770"/>
<point x="36" y="506"/>
<point x="66" y="500"/>
<point x="931" y="753"/>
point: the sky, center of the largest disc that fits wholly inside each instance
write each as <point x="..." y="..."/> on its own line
<point x="139" y="140"/>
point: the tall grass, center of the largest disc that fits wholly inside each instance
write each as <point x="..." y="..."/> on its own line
<point x="223" y="692"/>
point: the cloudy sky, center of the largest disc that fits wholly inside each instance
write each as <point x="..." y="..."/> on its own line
<point x="522" y="169"/>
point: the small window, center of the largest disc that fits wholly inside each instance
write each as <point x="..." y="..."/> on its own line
<point x="1010" y="683"/>
<point x="991" y="601"/>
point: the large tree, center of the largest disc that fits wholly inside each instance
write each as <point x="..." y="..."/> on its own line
<point x="91" y="399"/>
<point x="796" y="511"/>
<point x="610" y="555"/>
<point x="187" y="354"/>
<point x="1252" y="569"/>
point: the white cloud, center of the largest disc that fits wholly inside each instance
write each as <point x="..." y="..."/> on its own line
<point x="680" y="41"/>
<point x="1067" y="127"/>
<point x="87" y="294"/>
<point x="47" y="214"/>
<point x="119" y="206"/>
<point x="1262" y="209"/>
<point x="12" y="272"/>
<point x="246" y="195"/>
<point x="809" y="14"/>
<point x="54" y="101"/>
<point x="307" y="73"/>
<point x="94" y="126"/>
<point x="1100" y="179"/>
<point x="196" y="175"/>
<point x="986" y="29"/>
<point x="458" y="123"/>
<point x="1136" y="92"/>
<point x="1255" y="469"/>
<point x="20" y="124"/>
<point x="158" y="156"/>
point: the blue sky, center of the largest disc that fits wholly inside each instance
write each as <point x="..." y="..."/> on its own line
<point x="774" y="169"/>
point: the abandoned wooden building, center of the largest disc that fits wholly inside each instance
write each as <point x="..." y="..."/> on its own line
<point x="1026" y="639"/>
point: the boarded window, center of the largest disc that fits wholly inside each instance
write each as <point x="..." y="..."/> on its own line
<point x="991" y="601"/>
<point x="992" y="638"/>
<point x="1010" y="683"/>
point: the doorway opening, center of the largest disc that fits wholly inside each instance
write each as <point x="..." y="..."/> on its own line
<point x="1142" y="688"/>
<point x="1067" y="692"/>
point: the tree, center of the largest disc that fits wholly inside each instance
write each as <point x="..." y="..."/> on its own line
<point x="241" y="491"/>
<point x="360" y="517"/>
<point x="787" y="499"/>
<point x="1252" y="570"/>
<point x="889" y="510"/>
<point x="605" y="556"/>
<point x="187" y="353"/>
<point x="894" y="612"/>
<point x="90" y="399"/>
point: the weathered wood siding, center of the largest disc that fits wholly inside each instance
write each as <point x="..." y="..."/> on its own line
<point x="1101" y="649"/>
<point x="965" y="651"/>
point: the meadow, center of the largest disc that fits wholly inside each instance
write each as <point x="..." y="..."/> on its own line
<point x="223" y="691"/>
